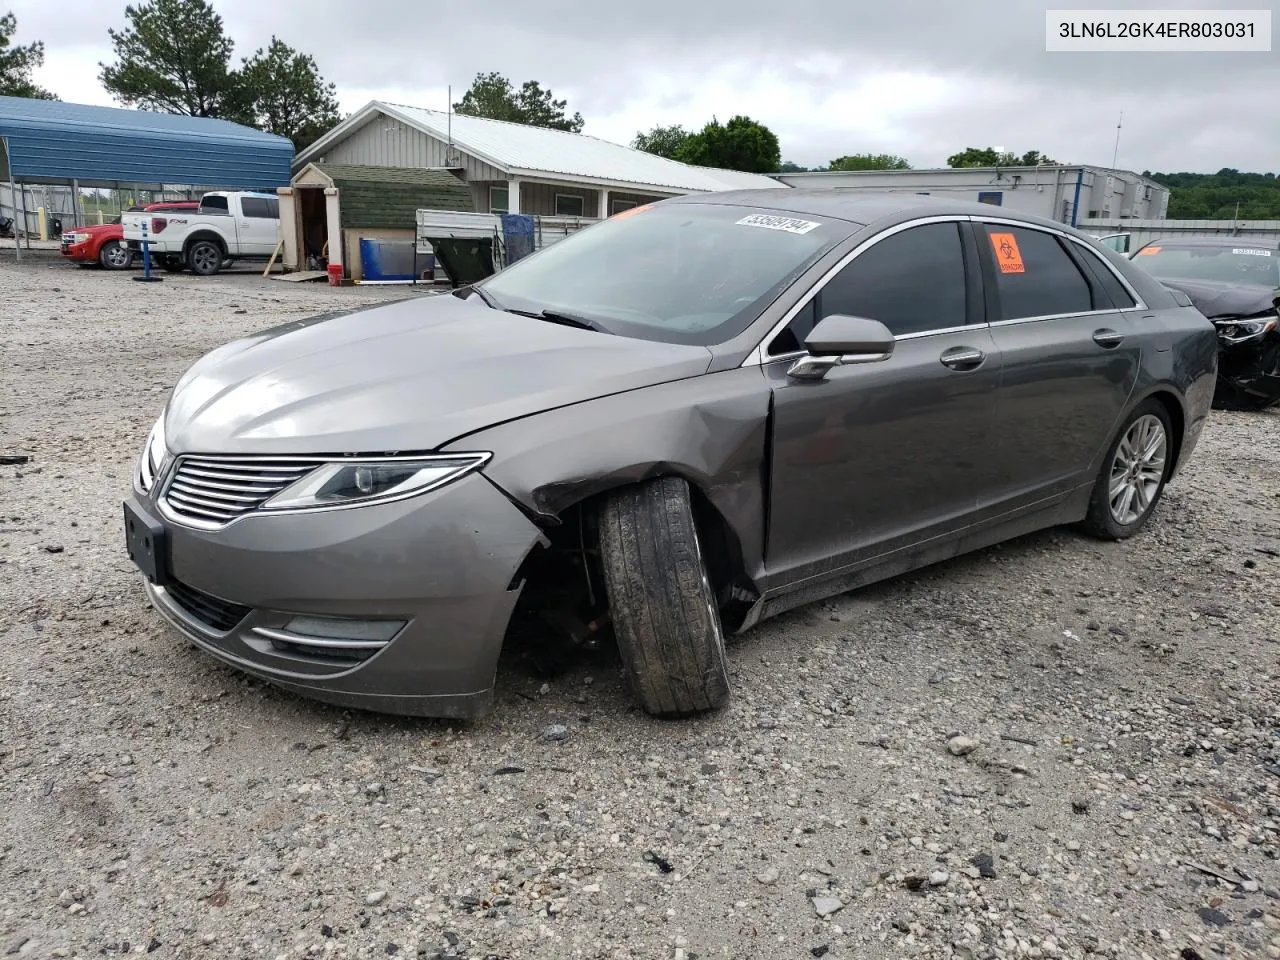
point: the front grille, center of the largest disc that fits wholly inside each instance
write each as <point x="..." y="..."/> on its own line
<point x="220" y="615"/>
<point x="213" y="490"/>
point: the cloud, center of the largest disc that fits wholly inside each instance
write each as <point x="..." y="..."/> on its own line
<point x="920" y="78"/>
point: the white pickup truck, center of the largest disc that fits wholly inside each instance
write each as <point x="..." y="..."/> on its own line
<point x="228" y="226"/>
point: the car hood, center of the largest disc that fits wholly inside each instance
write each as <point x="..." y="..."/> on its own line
<point x="96" y="229"/>
<point x="406" y="377"/>
<point x="1217" y="299"/>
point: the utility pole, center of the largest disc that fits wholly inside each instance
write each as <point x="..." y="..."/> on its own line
<point x="1116" y="153"/>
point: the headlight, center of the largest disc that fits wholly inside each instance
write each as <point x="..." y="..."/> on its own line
<point x="1236" y="331"/>
<point x="358" y="482"/>
<point x="153" y="456"/>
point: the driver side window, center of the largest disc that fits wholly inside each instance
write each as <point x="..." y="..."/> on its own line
<point x="912" y="282"/>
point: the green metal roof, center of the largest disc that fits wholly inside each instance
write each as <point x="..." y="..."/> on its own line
<point x="391" y="196"/>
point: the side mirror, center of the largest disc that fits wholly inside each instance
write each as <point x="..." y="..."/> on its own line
<point x="838" y="340"/>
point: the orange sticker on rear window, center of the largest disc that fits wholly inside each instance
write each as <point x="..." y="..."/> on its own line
<point x="1148" y="251"/>
<point x="1008" y="256"/>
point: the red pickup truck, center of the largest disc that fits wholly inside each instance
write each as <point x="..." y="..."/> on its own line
<point x="105" y="245"/>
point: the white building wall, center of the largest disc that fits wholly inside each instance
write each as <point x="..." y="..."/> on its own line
<point x="386" y="142"/>
<point x="1042" y="191"/>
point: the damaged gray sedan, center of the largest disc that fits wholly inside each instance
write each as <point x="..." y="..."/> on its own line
<point x="667" y="427"/>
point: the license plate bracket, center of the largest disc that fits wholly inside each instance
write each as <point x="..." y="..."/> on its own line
<point x="147" y="542"/>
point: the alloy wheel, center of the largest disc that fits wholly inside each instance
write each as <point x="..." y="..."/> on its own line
<point x="205" y="258"/>
<point x="115" y="256"/>
<point x="1137" y="471"/>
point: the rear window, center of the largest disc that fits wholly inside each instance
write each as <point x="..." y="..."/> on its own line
<point x="213" y="205"/>
<point x="1241" y="263"/>
<point x="679" y="272"/>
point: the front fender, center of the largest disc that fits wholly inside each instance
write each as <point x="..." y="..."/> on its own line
<point x="710" y="429"/>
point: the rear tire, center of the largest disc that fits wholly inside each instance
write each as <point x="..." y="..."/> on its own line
<point x="664" y="610"/>
<point x="1133" y="474"/>
<point x="114" y="255"/>
<point x="204" y="257"/>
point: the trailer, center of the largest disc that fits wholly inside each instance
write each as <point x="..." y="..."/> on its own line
<point x="460" y="248"/>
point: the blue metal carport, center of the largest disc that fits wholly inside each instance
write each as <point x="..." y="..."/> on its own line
<point x="49" y="142"/>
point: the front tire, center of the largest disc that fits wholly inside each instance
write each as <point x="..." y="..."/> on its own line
<point x="114" y="255"/>
<point x="1133" y="474"/>
<point x="204" y="257"/>
<point x="664" y="610"/>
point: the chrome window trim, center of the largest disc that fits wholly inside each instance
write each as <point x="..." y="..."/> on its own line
<point x="1051" y="316"/>
<point x="759" y="356"/>
<point x="1043" y="228"/>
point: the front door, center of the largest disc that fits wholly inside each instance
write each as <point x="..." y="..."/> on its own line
<point x="1071" y="361"/>
<point x="880" y="456"/>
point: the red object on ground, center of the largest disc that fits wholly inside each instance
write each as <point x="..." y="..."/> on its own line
<point x="335" y="274"/>
<point x="89" y="241"/>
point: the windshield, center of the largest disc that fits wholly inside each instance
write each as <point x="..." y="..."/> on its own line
<point x="680" y="273"/>
<point x="1252" y="266"/>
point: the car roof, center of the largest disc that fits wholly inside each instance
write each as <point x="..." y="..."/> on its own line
<point x="861" y="207"/>
<point x="1254" y="243"/>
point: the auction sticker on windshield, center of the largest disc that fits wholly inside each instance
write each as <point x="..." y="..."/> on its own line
<point x="786" y="224"/>
<point x="1251" y="253"/>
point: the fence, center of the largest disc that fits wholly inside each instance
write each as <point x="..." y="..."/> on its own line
<point x="1144" y="230"/>
<point x="59" y="203"/>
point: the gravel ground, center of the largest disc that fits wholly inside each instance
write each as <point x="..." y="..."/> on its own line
<point x="1115" y="790"/>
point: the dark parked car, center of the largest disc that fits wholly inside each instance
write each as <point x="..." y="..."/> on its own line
<point x="1234" y="282"/>
<point x="670" y="425"/>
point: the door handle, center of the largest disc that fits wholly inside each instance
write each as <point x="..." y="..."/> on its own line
<point x="1108" y="338"/>
<point x="962" y="358"/>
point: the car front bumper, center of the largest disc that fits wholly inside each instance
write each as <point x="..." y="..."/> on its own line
<point x="445" y="563"/>
<point x="79" y="252"/>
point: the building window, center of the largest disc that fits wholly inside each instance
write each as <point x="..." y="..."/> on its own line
<point x="617" y="206"/>
<point x="499" y="198"/>
<point x="993" y="197"/>
<point x="568" y="205"/>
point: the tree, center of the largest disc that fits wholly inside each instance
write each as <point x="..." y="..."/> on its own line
<point x="281" y="91"/>
<point x="987" y="157"/>
<point x="491" y="95"/>
<point x="788" y="167"/>
<point x="740" y="144"/>
<point x="870" y="161"/>
<point x="18" y="62"/>
<point x="174" y="57"/>
<point x="663" y="141"/>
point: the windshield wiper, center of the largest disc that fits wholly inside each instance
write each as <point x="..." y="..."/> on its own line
<point x="559" y="316"/>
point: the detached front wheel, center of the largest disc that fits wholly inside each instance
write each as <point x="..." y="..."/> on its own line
<point x="663" y="607"/>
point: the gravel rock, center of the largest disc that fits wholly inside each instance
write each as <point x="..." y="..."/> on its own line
<point x="960" y="746"/>
<point x="939" y="878"/>
<point x="768" y="876"/>
<point x="375" y="897"/>
<point x="826" y="906"/>
<point x="556" y="731"/>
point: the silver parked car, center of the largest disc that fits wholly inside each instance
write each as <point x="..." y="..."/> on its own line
<point x="669" y="426"/>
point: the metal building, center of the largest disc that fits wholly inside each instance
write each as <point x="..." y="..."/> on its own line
<point x="1068" y="194"/>
<point x="75" y="145"/>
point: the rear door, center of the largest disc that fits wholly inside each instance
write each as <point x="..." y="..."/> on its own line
<point x="1071" y="358"/>
<point x="258" y="225"/>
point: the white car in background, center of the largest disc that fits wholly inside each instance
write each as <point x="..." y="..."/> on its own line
<point x="228" y="226"/>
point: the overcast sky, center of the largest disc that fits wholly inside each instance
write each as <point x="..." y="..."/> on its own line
<point x="919" y="78"/>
